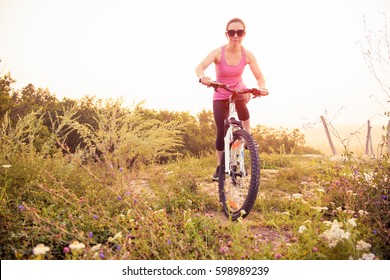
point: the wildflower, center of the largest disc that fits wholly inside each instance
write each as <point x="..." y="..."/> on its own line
<point x="278" y="256"/>
<point x="361" y="245"/>
<point x="352" y="222"/>
<point x="119" y="197"/>
<point x="384" y="197"/>
<point x="320" y="190"/>
<point x="96" y="247"/>
<point x="169" y="242"/>
<point x="6" y="166"/>
<point x="223" y="250"/>
<point x="101" y="254"/>
<point x="116" y="237"/>
<point x="21" y="208"/>
<point x="66" y="250"/>
<point x="319" y="209"/>
<point x="362" y="213"/>
<point x="349" y="212"/>
<point x="40" y="250"/>
<point x="95" y="217"/>
<point x="314" y="250"/>
<point x="90" y="234"/>
<point x="369" y="256"/>
<point x="302" y="229"/>
<point x="374" y="232"/>
<point x="335" y="234"/>
<point x="297" y="196"/>
<point x="76" y="246"/>
<point x="121" y="169"/>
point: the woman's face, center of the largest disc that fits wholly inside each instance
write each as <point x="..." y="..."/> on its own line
<point x="237" y="36"/>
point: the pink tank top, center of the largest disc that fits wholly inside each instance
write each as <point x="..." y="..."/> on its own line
<point x="230" y="75"/>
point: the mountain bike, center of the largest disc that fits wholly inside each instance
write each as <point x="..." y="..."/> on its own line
<point x="239" y="171"/>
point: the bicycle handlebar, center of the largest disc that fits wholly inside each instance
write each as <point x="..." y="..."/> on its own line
<point x="256" y="92"/>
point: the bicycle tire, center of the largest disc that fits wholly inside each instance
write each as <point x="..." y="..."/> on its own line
<point x="238" y="193"/>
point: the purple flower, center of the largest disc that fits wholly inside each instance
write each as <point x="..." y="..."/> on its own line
<point x="121" y="169"/>
<point x="95" y="217"/>
<point x="90" y="234"/>
<point x="119" y="197"/>
<point x="66" y="250"/>
<point x="21" y="208"/>
<point x="101" y="254"/>
<point x="118" y="247"/>
<point x="169" y="242"/>
<point x="384" y="197"/>
<point x="375" y="231"/>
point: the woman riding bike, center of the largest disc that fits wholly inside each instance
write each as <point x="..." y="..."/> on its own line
<point x="230" y="61"/>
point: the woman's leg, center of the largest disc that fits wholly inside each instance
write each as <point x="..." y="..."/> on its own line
<point x="243" y="114"/>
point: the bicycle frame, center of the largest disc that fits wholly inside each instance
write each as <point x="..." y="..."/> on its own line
<point x="234" y="124"/>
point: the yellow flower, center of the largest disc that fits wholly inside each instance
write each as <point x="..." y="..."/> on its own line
<point x="116" y="237"/>
<point x="40" y="250"/>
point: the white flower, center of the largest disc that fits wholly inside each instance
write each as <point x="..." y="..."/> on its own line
<point x="40" y="250"/>
<point x="363" y="213"/>
<point x="369" y="256"/>
<point x="320" y="190"/>
<point x="335" y="234"/>
<point x="116" y="237"/>
<point x="96" y="247"/>
<point x="361" y="245"/>
<point x="76" y="246"/>
<point x="352" y="222"/>
<point x="297" y="195"/>
<point x="319" y="209"/>
<point x="302" y="229"/>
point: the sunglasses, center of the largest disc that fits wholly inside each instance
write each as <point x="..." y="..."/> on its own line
<point x="239" y="33"/>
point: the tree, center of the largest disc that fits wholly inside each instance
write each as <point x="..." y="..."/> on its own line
<point x="6" y="102"/>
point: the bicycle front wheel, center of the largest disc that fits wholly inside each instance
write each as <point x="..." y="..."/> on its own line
<point x="238" y="189"/>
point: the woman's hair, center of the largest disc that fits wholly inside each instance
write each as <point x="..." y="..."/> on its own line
<point x="235" y="20"/>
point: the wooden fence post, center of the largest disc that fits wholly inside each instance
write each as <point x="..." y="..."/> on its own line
<point x="388" y="138"/>
<point x="328" y="135"/>
<point x="369" y="149"/>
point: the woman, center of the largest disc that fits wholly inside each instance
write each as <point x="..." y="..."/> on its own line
<point x="230" y="61"/>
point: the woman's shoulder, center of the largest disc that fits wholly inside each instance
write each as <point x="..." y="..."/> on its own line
<point x="249" y="55"/>
<point x="216" y="53"/>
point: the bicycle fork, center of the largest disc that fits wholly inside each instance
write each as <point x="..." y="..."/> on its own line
<point x="234" y="162"/>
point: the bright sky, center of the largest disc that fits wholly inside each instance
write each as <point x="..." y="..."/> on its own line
<point x="148" y="50"/>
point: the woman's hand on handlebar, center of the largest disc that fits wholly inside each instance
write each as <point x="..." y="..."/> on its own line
<point x="263" y="92"/>
<point x="205" y="80"/>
